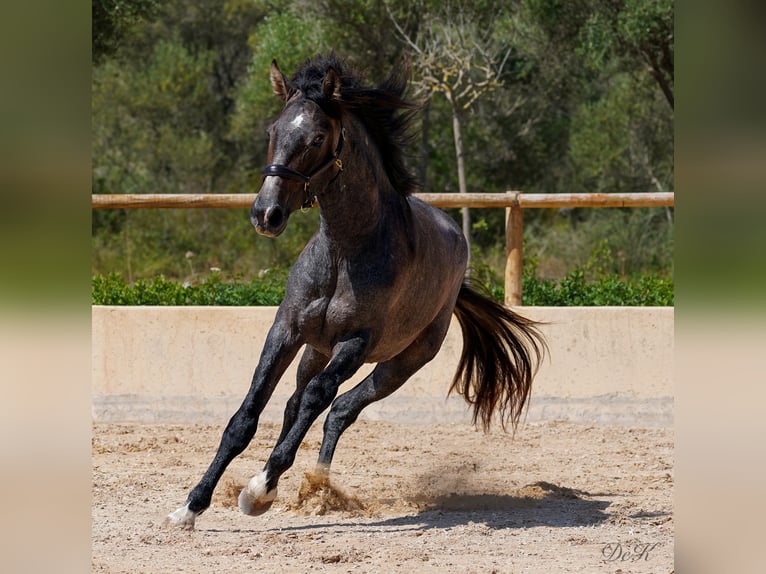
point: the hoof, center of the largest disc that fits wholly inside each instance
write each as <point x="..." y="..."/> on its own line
<point x="254" y="499"/>
<point x="182" y="518"/>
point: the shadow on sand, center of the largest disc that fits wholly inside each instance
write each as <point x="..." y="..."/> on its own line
<point x="538" y="504"/>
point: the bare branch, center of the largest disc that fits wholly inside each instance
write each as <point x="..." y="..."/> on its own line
<point x="402" y="33"/>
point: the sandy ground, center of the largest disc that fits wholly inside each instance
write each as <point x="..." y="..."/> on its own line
<point x="559" y="497"/>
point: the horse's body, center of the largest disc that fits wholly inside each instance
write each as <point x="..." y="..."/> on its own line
<point x="378" y="283"/>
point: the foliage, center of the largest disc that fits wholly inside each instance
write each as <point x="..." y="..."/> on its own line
<point x="572" y="290"/>
<point x="184" y="245"/>
<point x="256" y="101"/>
<point x="635" y="34"/>
<point x="114" y="290"/>
<point x="457" y="54"/>
<point x="596" y="282"/>
<point x="112" y="20"/>
<point x="181" y="99"/>
<point x="624" y="242"/>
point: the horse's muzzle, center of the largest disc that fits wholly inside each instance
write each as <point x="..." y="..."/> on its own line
<point x="270" y="221"/>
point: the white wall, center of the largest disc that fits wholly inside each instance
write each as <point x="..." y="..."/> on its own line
<point x="181" y="364"/>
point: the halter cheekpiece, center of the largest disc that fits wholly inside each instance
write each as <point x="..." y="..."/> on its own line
<point x="289" y="173"/>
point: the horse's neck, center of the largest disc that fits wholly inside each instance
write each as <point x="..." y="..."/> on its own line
<point x="355" y="206"/>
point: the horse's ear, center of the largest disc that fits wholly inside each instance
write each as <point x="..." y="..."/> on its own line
<point x="278" y="81"/>
<point x="331" y="85"/>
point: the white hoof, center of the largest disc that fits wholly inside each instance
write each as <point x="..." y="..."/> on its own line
<point x="254" y="498"/>
<point x="182" y="518"/>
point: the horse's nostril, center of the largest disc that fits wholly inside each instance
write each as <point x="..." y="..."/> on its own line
<point x="256" y="216"/>
<point x="273" y="217"/>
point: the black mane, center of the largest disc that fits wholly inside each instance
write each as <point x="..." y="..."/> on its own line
<point x="386" y="115"/>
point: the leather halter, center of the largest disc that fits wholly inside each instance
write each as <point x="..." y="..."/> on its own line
<point x="281" y="170"/>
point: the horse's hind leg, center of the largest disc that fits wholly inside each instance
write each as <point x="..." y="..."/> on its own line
<point x="385" y="379"/>
<point x="261" y="490"/>
<point x="311" y="364"/>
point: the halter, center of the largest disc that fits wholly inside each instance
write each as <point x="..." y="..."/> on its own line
<point x="289" y="173"/>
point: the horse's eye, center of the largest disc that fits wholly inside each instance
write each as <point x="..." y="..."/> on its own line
<point x="318" y="140"/>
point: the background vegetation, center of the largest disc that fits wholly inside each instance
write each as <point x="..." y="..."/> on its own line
<point x="556" y="96"/>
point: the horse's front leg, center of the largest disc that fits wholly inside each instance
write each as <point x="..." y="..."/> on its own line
<point x="278" y="352"/>
<point x="348" y="355"/>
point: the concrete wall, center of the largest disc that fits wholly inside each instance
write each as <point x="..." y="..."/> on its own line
<point x="610" y="365"/>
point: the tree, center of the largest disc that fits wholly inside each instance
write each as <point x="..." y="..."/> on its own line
<point x="288" y="38"/>
<point x="456" y="55"/>
<point x="543" y="95"/>
<point x="638" y="33"/>
<point x="162" y="105"/>
<point x="112" y="20"/>
<point x="360" y="30"/>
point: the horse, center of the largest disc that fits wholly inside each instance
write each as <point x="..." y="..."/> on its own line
<point x="377" y="283"/>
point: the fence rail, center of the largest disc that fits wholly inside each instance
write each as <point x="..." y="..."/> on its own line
<point x="514" y="203"/>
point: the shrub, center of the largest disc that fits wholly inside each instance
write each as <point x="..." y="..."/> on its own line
<point x="114" y="290"/>
<point x="572" y="290"/>
<point x="611" y="290"/>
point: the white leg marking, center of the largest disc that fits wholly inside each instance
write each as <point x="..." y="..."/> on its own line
<point x="181" y="518"/>
<point x="254" y="498"/>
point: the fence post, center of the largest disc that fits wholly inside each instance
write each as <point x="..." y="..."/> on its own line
<point x="514" y="233"/>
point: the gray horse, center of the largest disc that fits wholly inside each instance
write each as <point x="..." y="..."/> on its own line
<point x="378" y="282"/>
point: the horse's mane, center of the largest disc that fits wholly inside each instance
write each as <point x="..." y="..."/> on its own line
<point x="386" y="115"/>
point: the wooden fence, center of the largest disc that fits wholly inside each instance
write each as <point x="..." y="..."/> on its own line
<point x="513" y="202"/>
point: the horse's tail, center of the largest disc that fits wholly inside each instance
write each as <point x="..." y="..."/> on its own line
<point x="501" y="353"/>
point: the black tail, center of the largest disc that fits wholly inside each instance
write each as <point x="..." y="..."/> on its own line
<point x="501" y="354"/>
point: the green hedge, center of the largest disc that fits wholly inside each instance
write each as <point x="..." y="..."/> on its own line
<point x="572" y="290"/>
<point x="114" y="290"/>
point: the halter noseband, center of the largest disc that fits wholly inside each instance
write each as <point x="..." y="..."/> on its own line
<point x="289" y="173"/>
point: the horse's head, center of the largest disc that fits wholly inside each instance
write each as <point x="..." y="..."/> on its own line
<point x="304" y="144"/>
